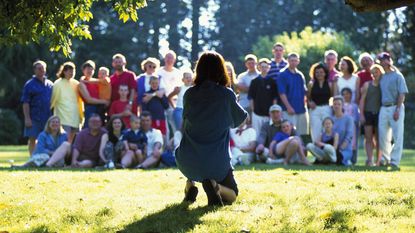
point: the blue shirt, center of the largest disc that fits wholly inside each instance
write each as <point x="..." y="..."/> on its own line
<point x="47" y="144"/>
<point x="392" y="84"/>
<point x="280" y="136"/>
<point x="275" y="69"/>
<point x="293" y="86"/>
<point x="344" y="126"/>
<point x="38" y="94"/>
<point x="156" y="106"/>
<point x="139" y="138"/>
<point x="209" y="112"/>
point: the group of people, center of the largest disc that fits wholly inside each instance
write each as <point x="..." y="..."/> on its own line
<point x="210" y="120"/>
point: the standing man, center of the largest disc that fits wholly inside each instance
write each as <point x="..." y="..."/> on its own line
<point x="330" y="58"/>
<point x="170" y="78"/>
<point x="122" y="76"/>
<point x="245" y="79"/>
<point x="277" y="64"/>
<point x="392" y="112"/>
<point x="292" y="89"/>
<point x="36" y="97"/>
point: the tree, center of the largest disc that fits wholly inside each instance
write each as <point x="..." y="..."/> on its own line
<point x="308" y="44"/>
<point x="58" y="22"/>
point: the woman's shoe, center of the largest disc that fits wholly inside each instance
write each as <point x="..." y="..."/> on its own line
<point x="191" y="194"/>
<point x="213" y="192"/>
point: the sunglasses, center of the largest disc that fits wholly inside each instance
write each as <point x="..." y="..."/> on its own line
<point x="151" y="66"/>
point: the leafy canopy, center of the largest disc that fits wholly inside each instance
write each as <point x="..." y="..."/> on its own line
<point x="58" y="22"/>
<point x="309" y="44"/>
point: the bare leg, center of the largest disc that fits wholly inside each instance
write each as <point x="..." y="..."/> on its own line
<point x="31" y="143"/>
<point x="59" y="154"/>
<point x="300" y="151"/>
<point x="71" y="136"/>
<point x="127" y="159"/>
<point x="369" y="144"/>
<point x="378" y="151"/>
<point x="292" y="147"/>
<point x="226" y="193"/>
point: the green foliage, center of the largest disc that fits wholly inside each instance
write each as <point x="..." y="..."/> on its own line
<point x="10" y="130"/>
<point x="308" y="43"/>
<point x="58" y="22"/>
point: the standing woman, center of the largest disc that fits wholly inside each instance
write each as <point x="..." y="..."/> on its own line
<point x="348" y="78"/>
<point x="66" y="101"/>
<point x="343" y="125"/>
<point x="232" y="75"/>
<point x="370" y="102"/>
<point x="210" y="111"/>
<point x="320" y="90"/>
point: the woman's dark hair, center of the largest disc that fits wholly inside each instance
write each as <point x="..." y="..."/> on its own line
<point x="66" y="66"/>
<point x="317" y="66"/>
<point x="351" y="65"/>
<point x="110" y="129"/>
<point x="211" y="66"/>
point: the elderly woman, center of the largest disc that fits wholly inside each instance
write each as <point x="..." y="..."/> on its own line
<point x="149" y="66"/>
<point x="343" y="125"/>
<point x="210" y="111"/>
<point x="52" y="146"/>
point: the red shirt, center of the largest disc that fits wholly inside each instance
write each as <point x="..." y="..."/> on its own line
<point x="364" y="76"/>
<point x="118" y="106"/>
<point x="126" y="78"/>
<point x="93" y="89"/>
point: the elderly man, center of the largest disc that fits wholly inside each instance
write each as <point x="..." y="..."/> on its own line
<point x="154" y="142"/>
<point x="36" y="97"/>
<point x="365" y="61"/>
<point x="392" y="112"/>
<point x="85" y="151"/>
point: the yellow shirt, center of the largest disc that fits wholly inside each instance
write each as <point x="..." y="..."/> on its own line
<point x="66" y="102"/>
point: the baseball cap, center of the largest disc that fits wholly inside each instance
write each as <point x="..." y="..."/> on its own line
<point x="275" y="107"/>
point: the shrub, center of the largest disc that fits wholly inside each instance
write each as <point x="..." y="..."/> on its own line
<point x="10" y="130"/>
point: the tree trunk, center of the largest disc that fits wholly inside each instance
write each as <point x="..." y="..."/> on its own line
<point x="196" y="4"/>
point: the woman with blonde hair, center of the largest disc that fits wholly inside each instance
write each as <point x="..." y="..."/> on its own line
<point x="150" y="65"/>
<point x="230" y="70"/>
<point x="51" y="147"/>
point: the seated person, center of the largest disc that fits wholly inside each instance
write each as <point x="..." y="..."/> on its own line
<point x="244" y="142"/>
<point x="52" y="146"/>
<point x="135" y="140"/>
<point x="154" y="142"/>
<point x="324" y="149"/>
<point x="285" y="145"/>
<point x="112" y="147"/>
<point x="85" y="153"/>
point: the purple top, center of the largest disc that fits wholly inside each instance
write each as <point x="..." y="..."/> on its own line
<point x="88" y="144"/>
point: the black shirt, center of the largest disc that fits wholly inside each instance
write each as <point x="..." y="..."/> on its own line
<point x="320" y="95"/>
<point x="263" y="91"/>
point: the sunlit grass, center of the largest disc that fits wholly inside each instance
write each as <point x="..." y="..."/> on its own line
<point x="272" y="199"/>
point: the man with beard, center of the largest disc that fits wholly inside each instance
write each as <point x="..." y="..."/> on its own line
<point x="122" y="76"/>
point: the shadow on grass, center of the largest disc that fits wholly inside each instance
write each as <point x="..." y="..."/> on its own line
<point x="174" y="218"/>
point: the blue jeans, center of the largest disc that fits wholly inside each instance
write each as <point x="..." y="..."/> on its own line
<point x="89" y="110"/>
<point x="177" y="117"/>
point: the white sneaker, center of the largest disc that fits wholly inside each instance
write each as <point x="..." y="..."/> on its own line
<point x="274" y="161"/>
<point x="110" y="165"/>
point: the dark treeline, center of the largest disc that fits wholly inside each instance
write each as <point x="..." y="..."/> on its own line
<point x="228" y="26"/>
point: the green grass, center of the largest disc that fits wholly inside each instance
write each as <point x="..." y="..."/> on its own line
<point x="272" y="199"/>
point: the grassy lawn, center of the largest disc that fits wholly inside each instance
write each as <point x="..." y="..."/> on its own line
<point x="272" y="199"/>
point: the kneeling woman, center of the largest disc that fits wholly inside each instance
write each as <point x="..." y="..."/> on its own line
<point x="52" y="146"/>
<point x="210" y="111"/>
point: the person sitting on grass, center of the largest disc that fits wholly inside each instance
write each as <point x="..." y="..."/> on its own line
<point x="279" y="146"/>
<point x="244" y="139"/>
<point x="112" y="147"/>
<point x="85" y="153"/>
<point x="210" y="111"/>
<point x="52" y="146"/>
<point x="324" y="148"/>
<point x="135" y="140"/>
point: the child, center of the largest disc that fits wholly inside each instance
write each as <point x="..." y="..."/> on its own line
<point x="136" y="141"/>
<point x="279" y="143"/>
<point x="120" y="108"/>
<point x="156" y="106"/>
<point x="179" y="91"/>
<point x="324" y="149"/>
<point x="351" y="109"/>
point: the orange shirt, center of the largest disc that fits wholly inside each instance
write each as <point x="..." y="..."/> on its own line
<point x="104" y="87"/>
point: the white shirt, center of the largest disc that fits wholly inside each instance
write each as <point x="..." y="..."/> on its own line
<point x="183" y="89"/>
<point x="170" y="80"/>
<point x="350" y="83"/>
<point x="153" y="136"/>
<point x="243" y="140"/>
<point x="246" y="79"/>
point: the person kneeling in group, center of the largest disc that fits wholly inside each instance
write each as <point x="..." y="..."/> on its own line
<point x="324" y="149"/>
<point x="285" y="145"/>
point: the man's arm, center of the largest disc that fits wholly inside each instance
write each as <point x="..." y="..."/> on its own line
<point x="26" y="113"/>
<point x="401" y="99"/>
<point x="287" y="104"/>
